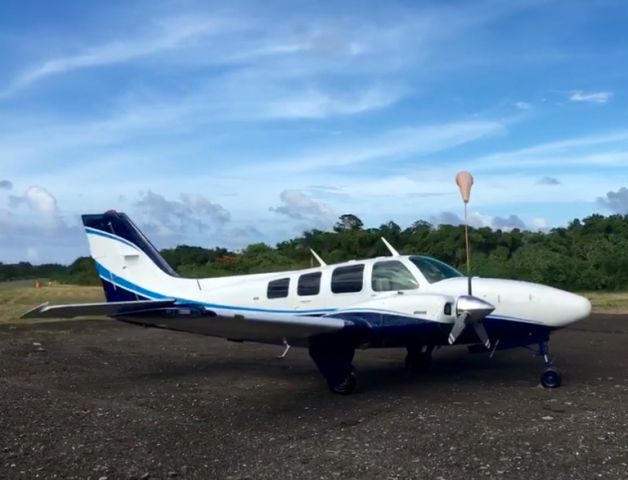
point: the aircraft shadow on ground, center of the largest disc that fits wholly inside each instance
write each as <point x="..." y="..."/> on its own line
<point x="375" y="373"/>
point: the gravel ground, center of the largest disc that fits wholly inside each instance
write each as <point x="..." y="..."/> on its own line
<point x="104" y="400"/>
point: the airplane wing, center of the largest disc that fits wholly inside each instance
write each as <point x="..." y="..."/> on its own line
<point x="94" y="309"/>
<point x="255" y="326"/>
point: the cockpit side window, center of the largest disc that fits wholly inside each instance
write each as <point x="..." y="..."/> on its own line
<point x="434" y="270"/>
<point x="392" y="275"/>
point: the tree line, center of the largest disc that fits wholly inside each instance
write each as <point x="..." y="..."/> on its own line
<point x="588" y="254"/>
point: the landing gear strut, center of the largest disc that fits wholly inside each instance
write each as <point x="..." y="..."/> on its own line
<point x="334" y="363"/>
<point x="418" y="359"/>
<point x="551" y="377"/>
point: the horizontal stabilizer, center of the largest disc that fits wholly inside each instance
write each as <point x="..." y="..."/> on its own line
<point x="96" y="309"/>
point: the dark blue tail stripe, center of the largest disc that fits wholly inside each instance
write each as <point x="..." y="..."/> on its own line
<point x="120" y="224"/>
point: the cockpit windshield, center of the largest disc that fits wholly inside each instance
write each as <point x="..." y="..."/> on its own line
<point x="434" y="270"/>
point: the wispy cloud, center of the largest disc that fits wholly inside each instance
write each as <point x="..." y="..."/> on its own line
<point x="393" y="145"/>
<point x="606" y="149"/>
<point x="548" y="181"/>
<point x="169" y="34"/>
<point x="318" y="104"/>
<point x="590" y="97"/>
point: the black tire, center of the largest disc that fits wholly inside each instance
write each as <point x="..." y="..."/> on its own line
<point x="346" y="386"/>
<point x="551" y="378"/>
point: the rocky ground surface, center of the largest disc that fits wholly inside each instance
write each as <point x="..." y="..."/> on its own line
<point x="103" y="400"/>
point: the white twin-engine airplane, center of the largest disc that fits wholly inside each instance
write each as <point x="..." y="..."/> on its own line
<point x="408" y="301"/>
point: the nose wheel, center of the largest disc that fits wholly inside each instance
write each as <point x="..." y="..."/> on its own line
<point x="551" y="377"/>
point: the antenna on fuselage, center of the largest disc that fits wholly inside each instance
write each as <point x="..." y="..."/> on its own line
<point x="464" y="180"/>
<point x="391" y="249"/>
<point x="320" y="261"/>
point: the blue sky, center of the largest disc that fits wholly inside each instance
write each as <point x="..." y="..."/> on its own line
<point x="227" y="123"/>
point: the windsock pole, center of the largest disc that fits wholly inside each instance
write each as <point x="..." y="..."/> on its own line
<point x="464" y="180"/>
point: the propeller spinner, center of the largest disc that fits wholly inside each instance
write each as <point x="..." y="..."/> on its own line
<point x="471" y="311"/>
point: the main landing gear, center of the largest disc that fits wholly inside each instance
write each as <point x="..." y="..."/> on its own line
<point x="335" y="364"/>
<point x="419" y="358"/>
<point x="551" y="377"/>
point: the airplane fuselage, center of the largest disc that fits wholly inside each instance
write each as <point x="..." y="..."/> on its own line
<point x="398" y="299"/>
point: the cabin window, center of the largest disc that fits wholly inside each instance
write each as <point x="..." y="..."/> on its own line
<point x="434" y="270"/>
<point x="278" y="288"/>
<point x="309" y="284"/>
<point x="392" y="275"/>
<point x="347" y="279"/>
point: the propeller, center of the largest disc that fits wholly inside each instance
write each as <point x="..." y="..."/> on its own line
<point x="471" y="311"/>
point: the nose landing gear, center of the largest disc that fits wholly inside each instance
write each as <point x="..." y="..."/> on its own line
<point x="550" y="377"/>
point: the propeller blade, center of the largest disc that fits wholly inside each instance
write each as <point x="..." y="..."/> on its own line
<point x="459" y="324"/>
<point x="481" y="333"/>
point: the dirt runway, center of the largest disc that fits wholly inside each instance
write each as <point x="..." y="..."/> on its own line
<point x="105" y="400"/>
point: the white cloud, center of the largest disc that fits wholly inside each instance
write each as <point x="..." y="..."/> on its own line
<point x="523" y="105"/>
<point x="591" y="97"/>
<point x="318" y="104"/>
<point x="40" y="201"/>
<point x="616" y="202"/>
<point x="539" y="223"/>
<point x="172" y="217"/>
<point x="299" y="206"/>
<point x="33" y="219"/>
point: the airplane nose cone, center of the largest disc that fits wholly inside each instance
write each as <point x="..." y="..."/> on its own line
<point x="575" y="307"/>
<point x="582" y="307"/>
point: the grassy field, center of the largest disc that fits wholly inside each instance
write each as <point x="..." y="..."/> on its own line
<point x="608" y="302"/>
<point x="19" y="297"/>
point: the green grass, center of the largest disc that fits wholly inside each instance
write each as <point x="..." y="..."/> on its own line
<point x="609" y="302"/>
<point x="18" y="297"/>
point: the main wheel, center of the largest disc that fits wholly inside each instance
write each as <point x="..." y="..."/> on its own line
<point x="551" y="378"/>
<point x="418" y="361"/>
<point x="346" y="386"/>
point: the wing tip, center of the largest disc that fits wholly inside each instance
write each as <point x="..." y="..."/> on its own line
<point x="32" y="313"/>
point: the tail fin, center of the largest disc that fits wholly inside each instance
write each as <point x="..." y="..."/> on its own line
<point x="125" y="257"/>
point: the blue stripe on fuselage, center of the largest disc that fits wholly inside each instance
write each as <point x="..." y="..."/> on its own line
<point x="132" y="287"/>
